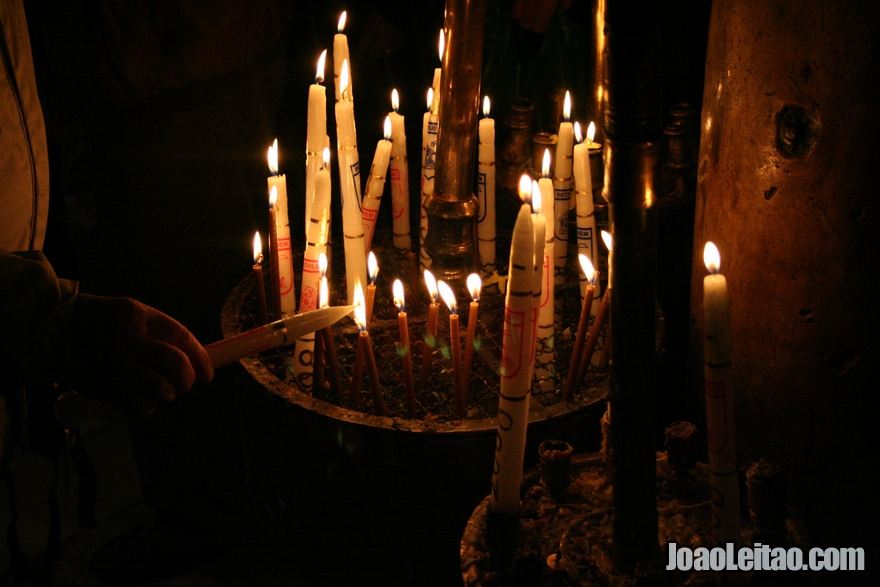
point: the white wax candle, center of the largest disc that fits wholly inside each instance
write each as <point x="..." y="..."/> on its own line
<point x="340" y="55"/>
<point x="586" y="219"/>
<point x="278" y="182"/>
<point x="399" y="179"/>
<point x="316" y="245"/>
<point x="562" y="203"/>
<point x="429" y="149"/>
<point x="544" y="249"/>
<point x="441" y="46"/>
<point x="376" y="185"/>
<point x="315" y="135"/>
<point x="349" y="179"/>
<point x="486" y="191"/>
<point x="720" y="407"/>
<point x="516" y="377"/>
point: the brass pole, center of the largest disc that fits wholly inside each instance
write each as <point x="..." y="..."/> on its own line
<point x="452" y="208"/>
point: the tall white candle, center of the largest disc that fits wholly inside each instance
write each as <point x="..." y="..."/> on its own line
<point x="586" y="219"/>
<point x="316" y="134"/>
<point x="340" y="55"/>
<point x="545" y="184"/>
<point x="376" y="184"/>
<point x="399" y="178"/>
<point x="278" y="183"/>
<point x="516" y="377"/>
<point x="486" y="191"/>
<point x="349" y="179"/>
<point x="720" y="408"/>
<point x="435" y="85"/>
<point x="429" y="149"/>
<point x="545" y="341"/>
<point x="562" y="184"/>
<point x="316" y="245"/>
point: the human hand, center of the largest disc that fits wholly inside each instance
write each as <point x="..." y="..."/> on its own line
<point x="127" y="353"/>
<point x="536" y="14"/>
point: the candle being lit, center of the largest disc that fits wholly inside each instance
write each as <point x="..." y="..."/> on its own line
<point x="720" y="406"/>
<point x="316" y="133"/>
<point x="404" y="352"/>
<point x="373" y="273"/>
<point x="590" y="275"/>
<point x="284" y="279"/>
<point x="516" y="377"/>
<point x="399" y="178"/>
<point x="562" y="203"/>
<point x="486" y="191"/>
<point x="475" y="286"/>
<point x="586" y="219"/>
<point x="376" y="184"/>
<point x="365" y="356"/>
<point x="430" y="334"/>
<point x="259" y="286"/>
<point x="455" y="341"/>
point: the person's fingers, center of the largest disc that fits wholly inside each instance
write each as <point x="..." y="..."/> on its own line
<point x="168" y="330"/>
<point x="170" y="362"/>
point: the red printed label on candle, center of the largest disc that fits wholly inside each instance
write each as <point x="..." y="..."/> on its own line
<point x="369" y="214"/>
<point x="310" y="266"/>
<point x="716" y="422"/>
<point x="514" y="351"/>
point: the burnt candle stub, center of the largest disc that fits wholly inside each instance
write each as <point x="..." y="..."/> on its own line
<point x="765" y="483"/>
<point x="681" y="447"/>
<point x="555" y="456"/>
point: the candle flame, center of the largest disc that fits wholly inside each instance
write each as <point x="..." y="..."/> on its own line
<point x="711" y="257"/>
<point x="325" y="157"/>
<point x="258" y="249"/>
<point x="341" y="26"/>
<point x="360" y="308"/>
<point x="430" y="97"/>
<point x="587" y="267"/>
<point x="343" y="77"/>
<point x="322" y="264"/>
<point x="273" y="197"/>
<point x="273" y="158"/>
<point x="387" y="128"/>
<point x="319" y="75"/>
<point x="608" y="239"/>
<point x="395" y="100"/>
<point x="474" y="285"/>
<point x="545" y="163"/>
<point x="537" y="204"/>
<point x="372" y="268"/>
<point x="397" y="291"/>
<point x="323" y="293"/>
<point x="566" y="106"/>
<point x="448" y="296"/>
<point x="486" y="106"/>
<point x="591" y="131"/>
<point x="441" y="44"/>
<point x="577" y="133"/>
<point x="525" y="188"/>
<point x="431" y="283"/>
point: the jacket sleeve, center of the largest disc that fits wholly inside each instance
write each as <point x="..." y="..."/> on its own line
<point x="33" y="301"/>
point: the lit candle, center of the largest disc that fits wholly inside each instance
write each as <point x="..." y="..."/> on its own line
<point x="349" y="176"/>
<point x="403" y="325"/>
<point x="516" y="378"/>
<point x="584" y="321"/>
<point x="376" y="184"/>
<point x="720" y="422"/>
<point x="365" y="355"/>
<point x="316" y="134"/>
<point x="544" y="249"/>
<point x="455" y="341"/>
<point x="562" y="203"/>
<point x="430" y="129"/>
<point x="609" y="242"/>
<point x="475" y="285"/>
<point x="273" y="252"/>
<point x="340" y="55"/>
<point x="586" y="219"/>
<point x="316" y="243"/>
<point x="399" y="178"/>
<point x="430" y="329"/>
<point x="595" y="150"/>
<point x="596" y="330"/>
<point x="259" y="286"/>
<point x="486" y="191"/>
<point x="327" y="331"/>
<point x="441" y="46"/>
<point x="373" y="273"/>
<point x="278" y="182"/>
